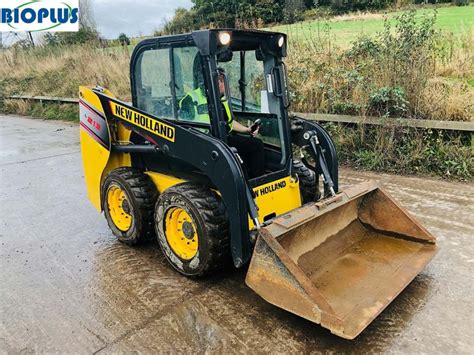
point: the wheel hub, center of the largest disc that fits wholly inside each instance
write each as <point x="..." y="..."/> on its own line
<point x="188" y="230"/>
<point x="119" y="208"/>
<point x="126" y="206"/>
<point x="180" y="232"/>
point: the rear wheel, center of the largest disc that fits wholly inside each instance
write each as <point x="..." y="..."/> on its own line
<point x="129" y="197"/>
<point x="192" y="229"/>
<point x="308" y="187"/>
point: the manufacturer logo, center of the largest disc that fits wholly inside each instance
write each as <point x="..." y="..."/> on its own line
<point x="263" y="190"/>
<point x="39" y="15"/>
<point x="150" y="124"/>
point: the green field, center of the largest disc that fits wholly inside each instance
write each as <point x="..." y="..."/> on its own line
<point x="453" y="19"/>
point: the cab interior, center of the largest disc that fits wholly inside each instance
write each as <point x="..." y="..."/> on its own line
<point x="255" y="88"/>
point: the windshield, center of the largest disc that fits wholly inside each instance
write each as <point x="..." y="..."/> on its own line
<point x="246" y="82"/>
<point x="251" y="92"/>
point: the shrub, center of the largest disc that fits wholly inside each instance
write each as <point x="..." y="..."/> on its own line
<point x="317" y="13"/>
<point x="386" y="101"/>
<point x="389" y="74"/>
<point x="84" y="35"/>
<point x="461" y="2"/>
<point x="404" y="150"/>
<point x="341" y="6"/>
<point x="293" y="11"/>
<point x="433" y="1"/>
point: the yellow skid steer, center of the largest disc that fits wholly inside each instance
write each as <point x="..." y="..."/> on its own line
<point x="166" y="167"/>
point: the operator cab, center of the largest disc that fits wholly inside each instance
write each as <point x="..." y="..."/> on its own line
<point x="175" y="78"/>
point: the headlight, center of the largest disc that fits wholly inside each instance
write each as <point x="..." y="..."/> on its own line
<point x="224" y="38"/>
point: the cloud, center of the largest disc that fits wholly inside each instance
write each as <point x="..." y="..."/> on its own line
<point x="133" y="18"/>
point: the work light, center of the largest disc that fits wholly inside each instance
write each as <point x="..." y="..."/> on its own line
<point x="224" y="38"/>
<point x="281" y="41"/>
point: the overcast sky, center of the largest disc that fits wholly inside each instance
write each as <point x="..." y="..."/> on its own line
<point x="133" y="17"/>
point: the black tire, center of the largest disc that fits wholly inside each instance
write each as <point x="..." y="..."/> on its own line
<point x="209" y="217"/>
<point x="141" y="195"/>
<point x="308" y="187"/>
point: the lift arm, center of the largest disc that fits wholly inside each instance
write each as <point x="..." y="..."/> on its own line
<point x="313" y="137"/>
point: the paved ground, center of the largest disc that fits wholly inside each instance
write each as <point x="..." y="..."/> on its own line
<point x="67" y="286"/>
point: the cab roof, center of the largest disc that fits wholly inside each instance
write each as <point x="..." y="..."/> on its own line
<point x="207" y="41"/>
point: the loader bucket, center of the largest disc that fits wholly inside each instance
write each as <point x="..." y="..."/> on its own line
<point x="340" y="262"/>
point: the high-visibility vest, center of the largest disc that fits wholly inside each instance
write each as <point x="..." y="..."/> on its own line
<point x="228" y="112"/>
<point x="201" y="110"/>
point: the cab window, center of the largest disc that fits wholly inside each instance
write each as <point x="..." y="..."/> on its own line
<point x="153" y="83"/>
<point x="189" y="85"/>
<point x="250" y="95"/>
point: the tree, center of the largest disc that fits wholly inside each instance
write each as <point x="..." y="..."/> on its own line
<point x="86" y="18"/>
<point x="234" y="13"/>
<point x="293" y="10"/>
<point x="183" y="21"/>
<point x="87" y="29"/>
<point x="123" y="39"/>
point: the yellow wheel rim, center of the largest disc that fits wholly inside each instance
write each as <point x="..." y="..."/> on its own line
<point x="181" y="233"/>
<point x="119" y="208"/>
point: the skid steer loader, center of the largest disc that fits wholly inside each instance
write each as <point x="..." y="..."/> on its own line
<point x="161" y="169"/>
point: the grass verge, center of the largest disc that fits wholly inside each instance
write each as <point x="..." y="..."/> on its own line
<point x="47" y="111"/>
<point x="405" y="150"/>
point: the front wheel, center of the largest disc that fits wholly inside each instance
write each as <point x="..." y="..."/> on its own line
<point x="309" y="188"/>
<point x="192" y="229"/>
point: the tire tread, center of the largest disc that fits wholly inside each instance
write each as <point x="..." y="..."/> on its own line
<point x="307" y="178"/>
<point x="214" y="215"/>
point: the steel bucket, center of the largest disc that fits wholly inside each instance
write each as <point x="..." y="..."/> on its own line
<point x="340" y="262"/>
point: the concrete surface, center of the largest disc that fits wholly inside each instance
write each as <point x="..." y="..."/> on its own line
<point x="67" y="286"/>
